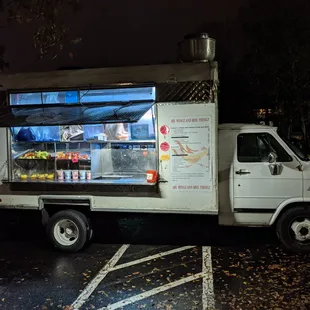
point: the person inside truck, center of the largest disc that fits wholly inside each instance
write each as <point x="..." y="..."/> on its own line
<point x="116" y="132"/>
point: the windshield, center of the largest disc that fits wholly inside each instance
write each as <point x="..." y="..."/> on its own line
<point x="297" y="148"/>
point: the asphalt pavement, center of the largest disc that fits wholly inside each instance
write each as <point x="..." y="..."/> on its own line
<point x="150" y="262"/>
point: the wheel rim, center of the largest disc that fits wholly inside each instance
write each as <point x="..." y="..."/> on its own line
<point x="66" y="232"/>
<point x="300" y="229"/>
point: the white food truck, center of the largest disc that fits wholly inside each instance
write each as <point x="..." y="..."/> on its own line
<point x="143" y="139"/>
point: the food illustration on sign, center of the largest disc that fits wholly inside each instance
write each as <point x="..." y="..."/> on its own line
<point x="164" y="157"/>
<point x="164" y="146"/>
<point x="186" y="149"/>
<point x="164" y="130"/>
<point x="191" y="156"/>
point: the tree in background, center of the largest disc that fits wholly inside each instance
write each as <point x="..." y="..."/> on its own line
<point x="276" y="66"/>
<point x="48" y="17"/>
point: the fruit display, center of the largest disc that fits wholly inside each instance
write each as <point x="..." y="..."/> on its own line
<point x="36" y="155"/>
<point x="40" y="176"/>
<point x="71" y="156"/>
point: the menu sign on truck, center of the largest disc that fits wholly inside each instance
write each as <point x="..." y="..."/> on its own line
<point x="190" y="141"/>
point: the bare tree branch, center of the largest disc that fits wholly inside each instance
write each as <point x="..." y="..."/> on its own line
<point x="47" y="15"/>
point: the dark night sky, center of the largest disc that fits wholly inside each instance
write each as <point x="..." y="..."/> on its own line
<point x="120" y="32"/>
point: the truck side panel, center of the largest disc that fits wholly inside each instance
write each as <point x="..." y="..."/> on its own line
<point x="188" y="182"/>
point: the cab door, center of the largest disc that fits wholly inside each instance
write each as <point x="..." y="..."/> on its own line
<point x="257" y="186"/>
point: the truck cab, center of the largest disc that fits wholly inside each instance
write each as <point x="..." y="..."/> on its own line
<point x="264" y="179"/>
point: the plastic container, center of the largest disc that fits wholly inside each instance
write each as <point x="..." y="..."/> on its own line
<point x="82" y="174"/>
<point x="151" y="176"/>
<point x="88" y="175"/>
<point x="67" y="174"/>
<point x="60" y="174"/>
<point x="75" y="175"/>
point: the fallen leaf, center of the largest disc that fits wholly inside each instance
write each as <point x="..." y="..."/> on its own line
<point x="103" y="292"/>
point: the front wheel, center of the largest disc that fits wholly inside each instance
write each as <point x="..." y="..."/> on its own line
<point x="68" y="230"/>
<point x="293" y="229"/>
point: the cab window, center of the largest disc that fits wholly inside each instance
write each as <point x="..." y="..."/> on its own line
<point x="255" y="147"/>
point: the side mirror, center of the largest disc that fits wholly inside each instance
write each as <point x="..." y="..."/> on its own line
<point x="272" y="157"/>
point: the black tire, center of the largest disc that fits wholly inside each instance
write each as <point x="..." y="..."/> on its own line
<point x="286" y="235"/>
<point x="80" y="222"/>
<point x="90" y="232"/>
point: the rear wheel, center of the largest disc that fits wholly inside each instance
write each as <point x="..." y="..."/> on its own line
<point x="293" y="229"/>
<point x="90" y="232"/>
<point x="68" y="230"/>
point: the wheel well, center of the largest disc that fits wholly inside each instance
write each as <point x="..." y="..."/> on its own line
<point x="50" y="208"/>
<point x="289" y="206"/>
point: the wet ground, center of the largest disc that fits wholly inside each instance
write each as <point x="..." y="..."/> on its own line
<point x="150" y="262"/>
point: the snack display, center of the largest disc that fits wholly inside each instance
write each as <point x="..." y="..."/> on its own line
<point x="52" y="165"/>
<point x="40" y="176"/>
<point x="72" y="156"/>
<point x="36" y="155"/>
<point x="50" y="176"/>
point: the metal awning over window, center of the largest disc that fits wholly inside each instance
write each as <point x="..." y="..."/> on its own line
<point x="73" y="114"/>
<point x="77" y="106"/>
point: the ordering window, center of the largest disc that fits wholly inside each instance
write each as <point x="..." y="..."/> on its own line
<point x="144" y="129"/>
<point x="255" y="147"/>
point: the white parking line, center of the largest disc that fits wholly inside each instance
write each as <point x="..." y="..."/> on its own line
<point x="151" y="257"/>
<point x="152" y="292"/>
<point x="208" y="302"/>
<point x="78" y="303"/>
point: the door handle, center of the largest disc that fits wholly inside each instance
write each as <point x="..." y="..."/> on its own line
<point x="243" y="171"/>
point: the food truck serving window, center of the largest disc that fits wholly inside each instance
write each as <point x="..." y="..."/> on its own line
<point x="144" y="129"/>
<point x="94" y="136"/>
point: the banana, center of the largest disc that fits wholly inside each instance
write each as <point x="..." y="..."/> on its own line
<point x="189" y="150"/>
<point x="193" y="159"/>
<point x="182" y="149"/>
